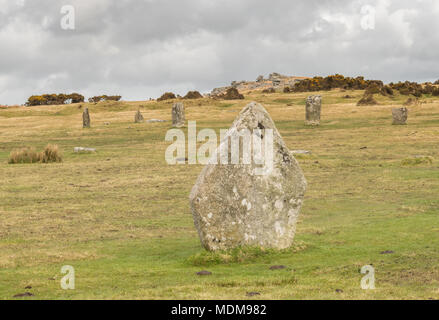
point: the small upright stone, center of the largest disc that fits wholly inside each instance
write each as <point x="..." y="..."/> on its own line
<point x="313" y="110"/>
<point x="400" y="116"/>
<point x="233" y="205"/>
<point x="86" y="119"/>
<point x="178" y="117"/>
<point x="138" y="118"/>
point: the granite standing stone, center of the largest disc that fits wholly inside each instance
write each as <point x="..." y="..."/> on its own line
<point x="178" y="116"/>
<point x="232" y="206"/>
<point x="313" y="110"/>
<point x="86" y="119"/>
<point x="400" y="116"/>
<point x="138" y="118"/>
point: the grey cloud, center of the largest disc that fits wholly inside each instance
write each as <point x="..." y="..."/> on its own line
<point x="140" y="48"/>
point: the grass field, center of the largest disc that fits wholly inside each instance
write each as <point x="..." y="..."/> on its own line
<point x="121" y="216"/>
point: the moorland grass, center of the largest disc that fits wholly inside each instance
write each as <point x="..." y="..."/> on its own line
<point x="121" y="216"/>
<point x="50" y="154"/>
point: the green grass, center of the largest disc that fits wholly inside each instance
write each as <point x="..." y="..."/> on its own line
<point x="121" y="216"/>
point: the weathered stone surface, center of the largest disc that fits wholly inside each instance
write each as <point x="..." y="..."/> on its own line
<point x="178" y="117"/>
<point x="313" y="110"/>
<point x="232" y="206"/>
<point x="82" y="149"/>
<point x="86" y="119"/>
<point x="138" y="118"/>
<point x="276" y="82"/>
<point x="400" y="116"/>
<point x="275" y="75"/>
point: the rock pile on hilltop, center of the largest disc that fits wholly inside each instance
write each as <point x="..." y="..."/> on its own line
<point x="274" y="80"/>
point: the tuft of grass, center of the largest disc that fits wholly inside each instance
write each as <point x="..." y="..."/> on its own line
<point x="24" y="155"/>
<point x="50" y="154"/>
<point x="417" y="161"/>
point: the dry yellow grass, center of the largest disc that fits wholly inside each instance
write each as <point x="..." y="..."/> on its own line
<point x="50" y="154"/>
<point x="121" y="216"/>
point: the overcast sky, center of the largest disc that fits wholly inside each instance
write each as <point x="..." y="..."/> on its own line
<point x="141" y="48"/>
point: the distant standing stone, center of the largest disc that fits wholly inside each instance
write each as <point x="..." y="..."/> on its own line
<point x="86" y="119"/>
<point x="178" y="117"/>
<point x="400" y="116"/>
<point x="313" y="110"/>
<point x="138" y="117"/>
<point x="233" y="206"/>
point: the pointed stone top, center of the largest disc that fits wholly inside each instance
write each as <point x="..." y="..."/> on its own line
<point x="253" y="116"/>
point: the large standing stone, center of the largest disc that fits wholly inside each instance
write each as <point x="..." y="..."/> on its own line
<point x="138" y="117"/>
<point x="232" y="206"/>
<point x="178" y="117"/>
<point x="86" y="119"/>
<point x="400" y="116"/>
<point x="313" y="110"/>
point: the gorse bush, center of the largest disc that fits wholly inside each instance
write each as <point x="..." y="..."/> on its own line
<point x="193" y="95"/>
<point x="371" y="86"/>
<point x="50" y="153"/>
<point x="334" y="82"/>
<point x="407" y="88"/>
<point x="232" y="94"/>
<point x="104" y="98"/>
<point x="387" y="91"/>
<point x="54" y="99"/>
<point x="367" y="100"/>
<point x="167" y="96"/>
